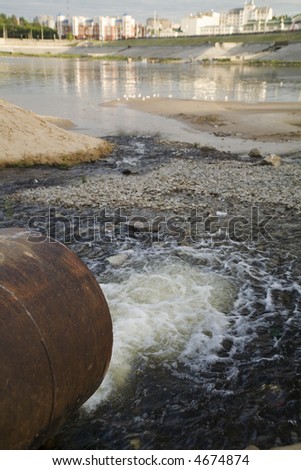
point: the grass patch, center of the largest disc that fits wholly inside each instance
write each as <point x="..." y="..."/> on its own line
<point x="46" y="54"/>
<point x="8" y="207"/>
<point x="273" y="63"/>
<point x="209" y="119"/>
<point x="206" y="119"/>
<point x="107" y="57"/>
<point x="162" y="60"/>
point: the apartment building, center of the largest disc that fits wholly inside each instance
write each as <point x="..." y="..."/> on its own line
<point x="128" y="27"/>
<point x="237" y="20"/>
<point x="104" y="28"/>
<point x="45" y="20"/>
<point x="193" y="25"/>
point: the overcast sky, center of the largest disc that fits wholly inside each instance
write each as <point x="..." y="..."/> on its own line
<point x="139" y="9"/>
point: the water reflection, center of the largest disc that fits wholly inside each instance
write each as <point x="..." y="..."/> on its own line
<point x="76" y="88"/>
<point x="107" y="80"/>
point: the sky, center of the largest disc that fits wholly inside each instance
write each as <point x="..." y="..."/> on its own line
<point x="139" y="9"/>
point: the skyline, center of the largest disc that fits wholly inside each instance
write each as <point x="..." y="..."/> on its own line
<point x="139" y="9"/>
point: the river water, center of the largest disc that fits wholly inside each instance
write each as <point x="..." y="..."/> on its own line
<point x="75" y="89"/>
<point x="207" y="344"/>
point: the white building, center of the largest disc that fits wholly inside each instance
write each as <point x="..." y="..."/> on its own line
<point x="46" y="20"/>
<point x="63" y="26"/>
<point x="104" y="28"/>
<point x="263" y="14"/>
<point x="233" y="18"/>
<point x="128" y="26"/>
<point x="77" y="21"/>
<point x="193" y="25"/>
<point x="239" y="17"/>
<point x="230" y="22"/>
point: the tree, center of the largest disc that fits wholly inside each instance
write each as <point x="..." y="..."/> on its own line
<point x="14" y="20"/>
<point x="21" y="28"/>
<point x="23" y="21"/>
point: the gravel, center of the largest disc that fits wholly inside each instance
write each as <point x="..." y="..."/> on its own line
<point x="179" y="185"/>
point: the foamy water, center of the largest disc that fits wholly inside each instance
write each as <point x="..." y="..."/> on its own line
<point x="177" y="306"/>
<point x="168" y="310"/>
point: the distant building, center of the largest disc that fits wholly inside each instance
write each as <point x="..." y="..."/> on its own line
<point x="64" y="26"/>
<point x="158" y="26"/>
<point x="193" y="25"/>
<point x="128" y="27"/>
<point x="263" y="14"/>
<point x="250" y="17"/>
<point x="233" y="18"/>
<point x="104" y="28"/>
<point x="77" y="26"/>
<point x="237" y="20"/>
<point x="45" y="20"/>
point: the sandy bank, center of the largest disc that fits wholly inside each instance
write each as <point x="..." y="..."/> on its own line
<point x="265" y="122"/>
<point x="28" y="139"/>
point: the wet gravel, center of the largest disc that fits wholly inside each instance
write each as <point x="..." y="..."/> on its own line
<point x="156" y="176"/>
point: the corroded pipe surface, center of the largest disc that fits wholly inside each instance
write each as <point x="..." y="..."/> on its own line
<point x="55" y="337"/>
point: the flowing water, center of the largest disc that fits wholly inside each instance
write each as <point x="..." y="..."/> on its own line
<point x="207" y="348"/>
<point x="207" y="343"/>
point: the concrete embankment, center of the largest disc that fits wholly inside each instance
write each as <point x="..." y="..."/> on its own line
<point x="234" y="51"/>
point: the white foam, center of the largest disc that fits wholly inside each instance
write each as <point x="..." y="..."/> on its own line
<point x="172" y="312"/>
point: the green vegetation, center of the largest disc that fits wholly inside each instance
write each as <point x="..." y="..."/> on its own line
<point x="46" y="54"/>
<point x="108" y="57"/>
<point x="223" y="60"/>
<point x="67" y="56"/>
<point x="291" y="36"/>
<point x="8" y="207"/>
<point x="12" y="27"/>
<point x="275" y="63"/>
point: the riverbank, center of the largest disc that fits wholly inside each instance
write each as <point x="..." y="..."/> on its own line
<point x="267" y="122"/>
<point x="234" y="126"/>
<point x="258" y="49"/>
<point x="27" y="139"/>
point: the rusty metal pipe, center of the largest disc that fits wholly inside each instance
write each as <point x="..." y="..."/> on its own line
<point x="55" y="337"/>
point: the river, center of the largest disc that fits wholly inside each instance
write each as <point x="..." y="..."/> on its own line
<point x="76" y="89"/>
<point x="207" y="343"/>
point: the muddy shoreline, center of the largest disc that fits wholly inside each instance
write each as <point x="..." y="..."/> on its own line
<point x="213" y="191"/>
<point x="262" y="122"/>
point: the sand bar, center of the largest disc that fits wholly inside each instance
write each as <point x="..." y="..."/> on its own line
<point x="28" y="139"/>
<point x="265" y="122"/>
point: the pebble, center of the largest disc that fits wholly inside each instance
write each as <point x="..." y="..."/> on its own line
<point x="117" y="260"/>
<point x="273" y="160"/>
<point x="255" y="153"/>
